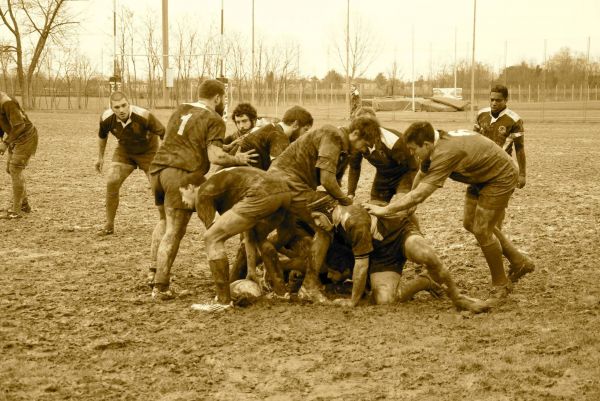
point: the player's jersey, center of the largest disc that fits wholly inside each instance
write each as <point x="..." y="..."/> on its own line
<point x="227" y="187"/>
<point x="325" y="148"/>
<point x="504" y="130"/>
<point x="467" y="157"/>
<point x="11" y="116"/>
<point x="268" y="142"/>
<point x="190" y="130"/>
<point x="391" y="158"/>
<point x="139" y="134"/>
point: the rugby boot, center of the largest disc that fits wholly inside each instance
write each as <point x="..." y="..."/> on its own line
<point x="499" y="294"/>
<point x="25" y="206"/>
<point x="515" y="272"/>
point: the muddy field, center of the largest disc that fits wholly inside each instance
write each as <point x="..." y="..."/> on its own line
<point x="77" y="321"/>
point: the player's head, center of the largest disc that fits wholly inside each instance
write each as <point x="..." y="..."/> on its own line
<point x="244" y="116"/>
<point x="364" y="134"/>
<point x="498" y="98"/>
<point x="299" y="119"/>
<point x="419" y="138"/>
<point x="120" y="105"/>
<point x="213" y="92"/>
<point x="365" y="112"/>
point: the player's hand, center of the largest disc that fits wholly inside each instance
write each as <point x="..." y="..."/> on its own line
<point x="521" y="182"/>
<point x="99" y="165"/>
<point x="375" y="210"/>
<point x="245" y="158"/>
<point x="347" y="201"/>
<point x="345" y="302"/>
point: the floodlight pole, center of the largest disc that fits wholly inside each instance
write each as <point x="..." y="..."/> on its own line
<point x="348" y="58"/>
<point x="473" y="62"/>
<point x="115" y="68"/>
<point x="413" y="68"/>
<point x="455" y="61"/>
<point x="165" y="50"/>
<point x="252" y="79"/>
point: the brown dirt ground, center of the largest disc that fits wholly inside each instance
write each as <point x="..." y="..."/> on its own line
<point x="77" y="322"/>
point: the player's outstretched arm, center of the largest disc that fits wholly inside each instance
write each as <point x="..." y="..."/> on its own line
<point x="413" y="198"/>
<point x="217" y="155"/>
<point x="329" y="182"/>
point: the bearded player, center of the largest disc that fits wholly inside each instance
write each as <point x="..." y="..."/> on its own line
<point x="244" y="117"/>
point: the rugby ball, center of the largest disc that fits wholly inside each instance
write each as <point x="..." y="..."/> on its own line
<point x="244" y="291"/>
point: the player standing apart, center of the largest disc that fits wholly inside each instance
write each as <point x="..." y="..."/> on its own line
<point x="470" y="158"/>
<point x="19" y="136"/>
<point x="137" y="131"/>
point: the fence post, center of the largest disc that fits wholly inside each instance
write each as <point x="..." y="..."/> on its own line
<point x="580" y="92"/>
<point x="572" y="92"/>
<point x="538" y="93"/>
<point x="519" y="93"/>
<point x="528" y="93"/>
<point x="556" y="93"/>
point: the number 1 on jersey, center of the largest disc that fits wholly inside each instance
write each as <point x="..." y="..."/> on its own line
<point x="184" y="120"/>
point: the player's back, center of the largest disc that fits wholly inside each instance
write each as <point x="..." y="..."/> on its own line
<point x="268" y="142"/>
<point x="391" y="156"/>
<point x="191" y="128"/>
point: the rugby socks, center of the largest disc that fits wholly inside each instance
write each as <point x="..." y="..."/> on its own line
<point x="508" y="249"/>
<point x="219" y="269"/>
<point x="493" y="257"/>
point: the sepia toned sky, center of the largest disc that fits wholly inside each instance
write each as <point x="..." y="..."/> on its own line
<point x="314" y="26"/>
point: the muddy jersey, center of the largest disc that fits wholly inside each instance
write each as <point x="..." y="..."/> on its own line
<point x="139" y="134"/>
<point x="467" y="157"/>
<point x="227" y="187"/>
<point x="391" y="158"/>
<point x="504" y="130"/>
<point x="11" y="116"/>
<point x="268" y="142"/>
<point x="325" y="148"/>
<point x="190" y="130"/>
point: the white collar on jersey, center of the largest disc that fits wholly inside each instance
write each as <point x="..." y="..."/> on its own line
<point x="494" y="119"/>
<point x="436" y="137"/>
<point x="200" y="105"/>
<point x="124" y="124"/>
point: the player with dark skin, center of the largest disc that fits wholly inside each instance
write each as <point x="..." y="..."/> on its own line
<point x="193" y="140"/>
<point x="243" y="197"/>
<point x="138" y="131"/>
<point x="473" y="159"/>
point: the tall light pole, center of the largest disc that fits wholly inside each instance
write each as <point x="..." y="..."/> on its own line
<point x="165" y="49"/>
<point x="348" y="58"/>
<point x="473" y="63"/>
<point x="252" y="77"/>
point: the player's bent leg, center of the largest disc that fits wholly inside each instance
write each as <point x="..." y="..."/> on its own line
<point x="385" y="286"/>
<point x="117" y="174"/>
<point x="176" y="224"/>
<point x="18" y="187"/>
<point x="418" y="250"/>
<point x="274" y="272"/>
<point x="469" y="213"/>
<point x="520" y="264"/>
<point x="157" y="235"/>
<point x="311" y="286"/>
<point x="483" y="229"/>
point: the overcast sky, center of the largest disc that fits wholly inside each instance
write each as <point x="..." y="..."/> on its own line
<point x="315" y="24"/>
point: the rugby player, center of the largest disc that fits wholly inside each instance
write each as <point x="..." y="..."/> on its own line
<point x="193" y="140"/>
<point x="137" y="131"/>
<point x="395" y="167"/>
<point x="355" y="101"/>
<point x="243" y="197"/>
<point x="19" y="136"/>
<point x="244" y="117"/>
<point x="320" y="157"/>
<point x="492" y="176"/>
<point x="504" y="127"/>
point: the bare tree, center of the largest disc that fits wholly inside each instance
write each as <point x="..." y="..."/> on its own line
<point x="364" y="47"/>
<point x="37" y="21"/>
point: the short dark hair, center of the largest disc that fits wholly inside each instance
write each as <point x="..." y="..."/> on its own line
<point x="368" y="128"/>
<point x="365" y="111"/>
<point x="419" y="132"/>
<point x="297" y="113"/>
<point x="117" y="95"/>
<point x="210" y="88"/>
<point x="245" y="109"/>
<point x="500" y="89"/>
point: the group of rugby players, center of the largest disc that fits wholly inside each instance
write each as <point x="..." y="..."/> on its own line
<point x="265" y="188"/>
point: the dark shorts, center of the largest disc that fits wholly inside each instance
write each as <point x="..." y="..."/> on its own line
<point x="494" y="195"/>
<point x="141" y="160"/>
<point x="20" y="153"/>
<point x="391" y="257"/>
<point x="260" y="203"/>
<point x="166" y="183"/>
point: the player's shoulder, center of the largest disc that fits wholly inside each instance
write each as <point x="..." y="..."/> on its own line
<point x="140" y="111"/>
<point x="390" y="137"/>
<point x="512" y="114"/>
<point x="485" y="110"/>
<point x="106" y="114"/>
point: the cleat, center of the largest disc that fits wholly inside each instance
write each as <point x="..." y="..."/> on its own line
<point x="499" y="294"/>
<point x="516" y="272"/>
<point x="473" y="305"/>
<point x="103" y="232"/>
<point x="25" y="207"/>
<point x="163" y="295"/>
<point x="9" y="215"/>
<point x="212" y="307"/>
<point x="312" y="295"/>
